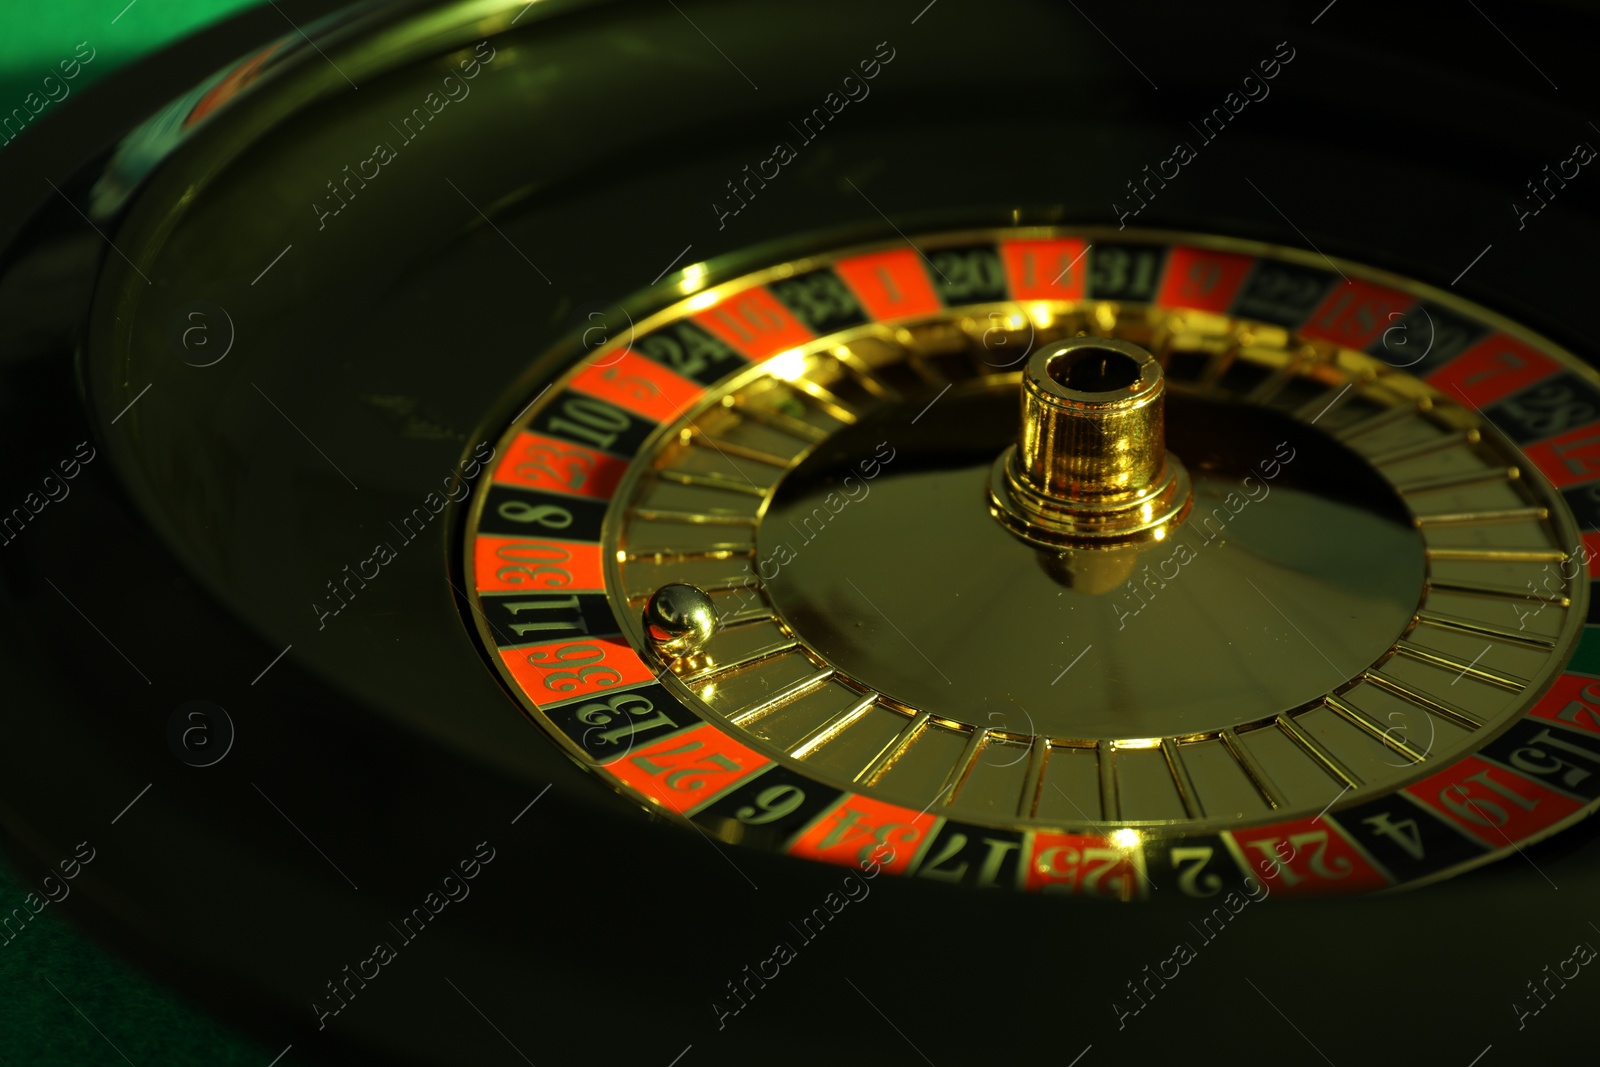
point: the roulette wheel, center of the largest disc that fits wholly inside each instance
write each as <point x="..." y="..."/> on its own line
<point x="627" y="533"/>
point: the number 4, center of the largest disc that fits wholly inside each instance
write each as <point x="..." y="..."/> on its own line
<point x="1404" y="833"/>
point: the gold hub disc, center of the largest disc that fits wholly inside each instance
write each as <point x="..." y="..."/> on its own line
<point x="916" y="591"/>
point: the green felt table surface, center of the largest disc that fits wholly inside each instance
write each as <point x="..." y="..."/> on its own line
<point x="66" y="1000"/>
<point x="35" y="38"/>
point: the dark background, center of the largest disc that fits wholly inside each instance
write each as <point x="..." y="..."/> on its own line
<point x="1400" y="137"/>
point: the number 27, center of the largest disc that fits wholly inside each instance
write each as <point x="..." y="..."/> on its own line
<point x="681" y="779"/>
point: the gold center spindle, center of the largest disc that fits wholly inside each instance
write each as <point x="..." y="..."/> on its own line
<point x="1091" y="469"/>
